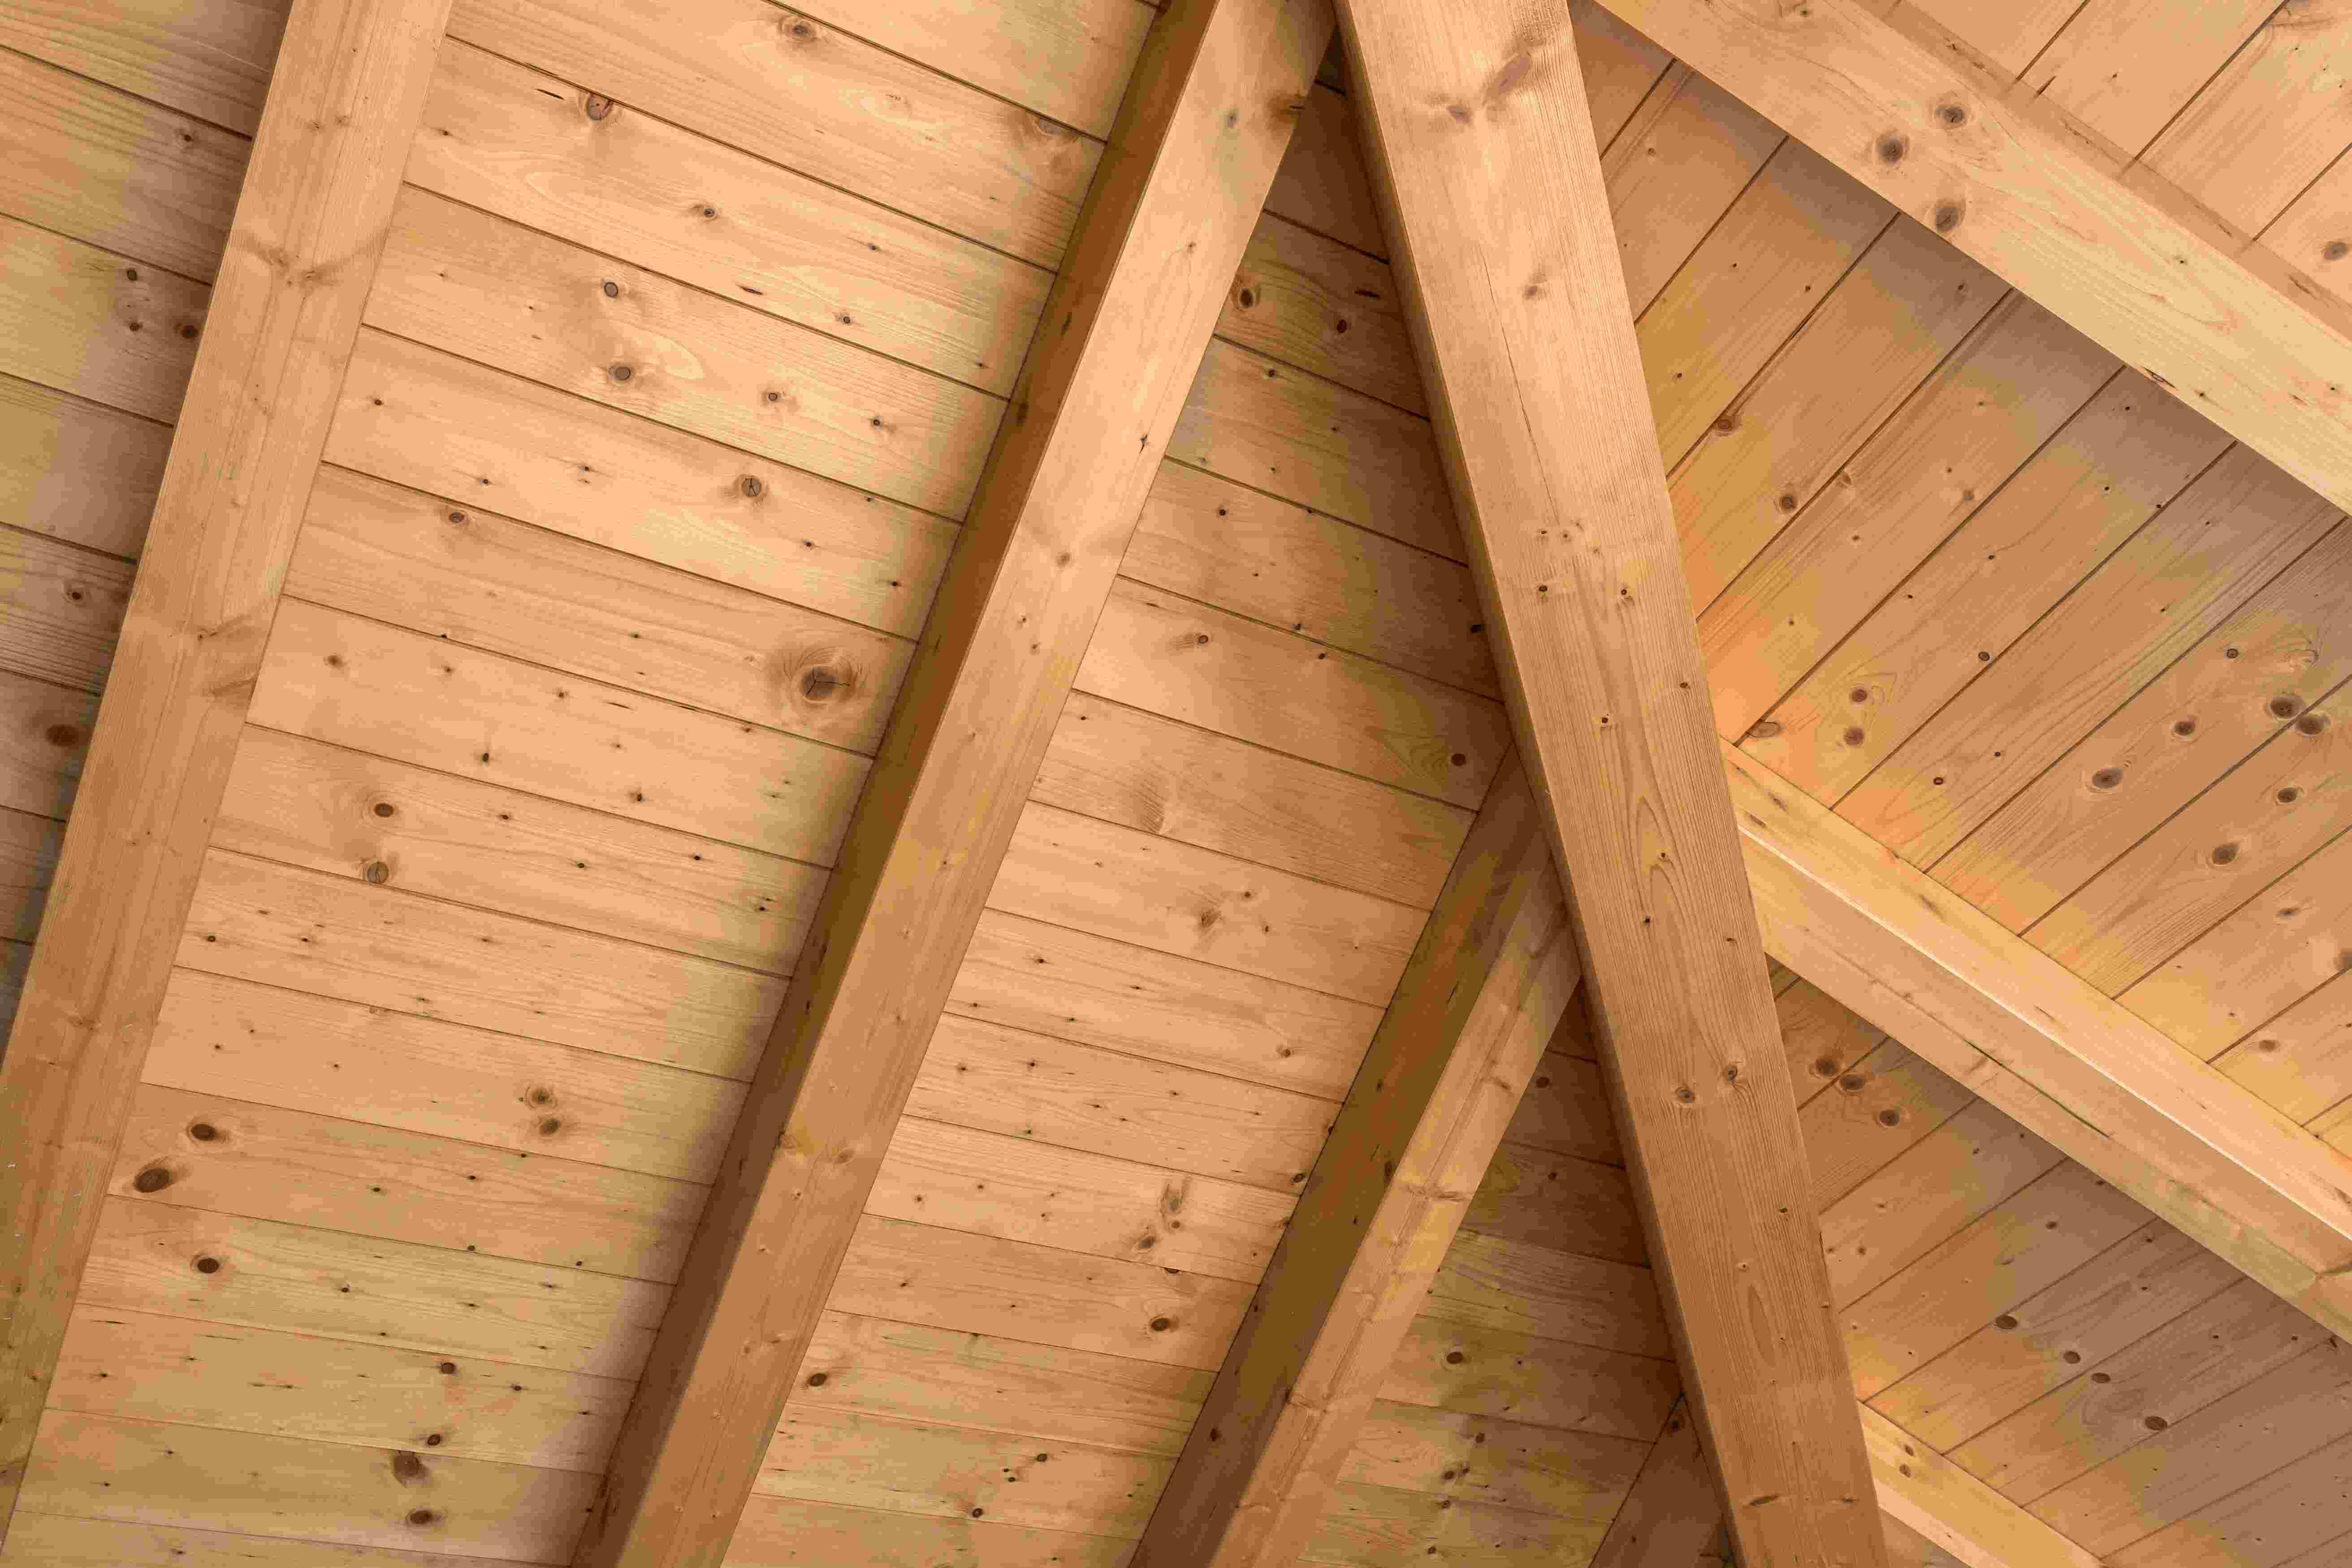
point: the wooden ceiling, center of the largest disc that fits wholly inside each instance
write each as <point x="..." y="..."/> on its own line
<point x="668" y="402"/>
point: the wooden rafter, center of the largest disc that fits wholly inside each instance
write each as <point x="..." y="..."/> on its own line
<point x="1202" y="131"/>
<point x="344" y="105"/>
<point x="1495" y="970"/>
<point x="2229" y="330"/>
<point x="2064" y="1059"/>
<point x="1498" y="210"/>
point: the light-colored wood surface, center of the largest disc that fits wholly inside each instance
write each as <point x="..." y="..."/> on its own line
<point x="1500" y="212"/>
<point x="1952" y="148"/>
<point x="301" y="257"/>
<point x="1195" y="147"/>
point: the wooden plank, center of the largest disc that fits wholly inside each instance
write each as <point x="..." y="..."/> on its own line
<point x="53" y="1541"/>
<point x="207" y="57"/>
<point x="1905" y="307"/>
<point x="105" y="167"/>
<point x="1197" y="142"/>
<point x="77" y="470"/>
<point x="2273" y="952"/>
<point x="1673" y="1512"/>
<point x="1549" y="1382"/>
<point x="572" y="319"/>
<point x="1494" y="970"/>
<point x="480" y="580"/>
<point x="47" y="734"/>
<point x="466" y="432"/>
<point x="516" y="142"/>
<point x="1076" y="985"/>
<point x="2208" y="1351"/>
<point x="2063" y="1060"/>
<point x="1228" y="674"/>
<point x="1783" y="623"/>
<point x="967" y="1284"/>
<point x="1949" y="144"/>
<point x="2120" y="459"/>
<point x="96" y="324"/>
<point x="2232" y="1444"/>
<point x="323" y="176"/>
<point x="2124" y="69"/>
<point x="431" y="703"/>
<point x="2276" y="806"/>
<point x="2269" y="123"/>
<point x="2236" y="526"/>
<point x="1538" y="368"/>
<point x="1068" y="870"/>
<point x="1976" y="1275"/>
<point x="784" y="1532"/>
<point x="328" y="809"/>
<point x="455" y="1306"/>
<point x="2129" y="1291"/>
<point x="1254" y="555"/>
<point x="806" y="95"/>
<point x="150" y="1367"/>
<point x="61" y="608"/>
<point x="157" y="1473"/>
<point x="274" y="1046"/>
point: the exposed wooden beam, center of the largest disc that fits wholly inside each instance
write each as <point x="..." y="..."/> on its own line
<point x="1495" y="970"/>
<point x="2066" y="1060"/>
<point x="1999" y="175"/>
<point x="343" y="107"/>
<point x="1190" y="158"/>
<point x="1673" y="1511"/>
<point x="1500" y="222"/>
<point x="1957" y="1511"/>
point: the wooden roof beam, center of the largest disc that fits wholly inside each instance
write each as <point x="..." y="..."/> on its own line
<point x="1495" y="970"/>
<point x="1203" y="129"/>
<point x="1998" y="173"/>
<point x="343" y="108"/>
<point x="2066" y="1061"/>
<point x="1483" y="151"/>
<point x="1673" y="1512"/>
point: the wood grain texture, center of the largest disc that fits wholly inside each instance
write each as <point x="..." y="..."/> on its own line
<point x="1494" y="971"/>
<point x="1946" y="143"/>
<point x="1186" y="172"/>
<point x="301" y="256"/>
<point x="1498" y="203"/>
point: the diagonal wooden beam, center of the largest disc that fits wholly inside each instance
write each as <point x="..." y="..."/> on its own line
<point x="1673" y="1512"/>
<point x="2236" y="336"/>
<point x="1500" y="221"/>
<point x="1495" y="970"/>
<point x="1957" y="1511"/>
<point x="344" y="105"/>
<point x="1190" y="158"/>
<point x="2066" y="1060"/>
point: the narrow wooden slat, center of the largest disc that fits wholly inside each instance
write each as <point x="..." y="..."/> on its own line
<point x="301" y="257"/>
<point x="77" y="470"/>
<point x="2048" y="1049"/>
<point x="207" y="57"/>
<point x="1195" y="148"/>
<point x="1494" y="970"/>
<point x="1951" y="146"/>
<point x="2124" y="69"/>
<point x="503" y="137"/>
<point x="1500" y="210"/>
<point x="2269" y="123"/>
<point x="47" y="731"/>
<point x="61" y="609"/>
<point x="804" y="94"/>
<point x="96" y="324"/>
